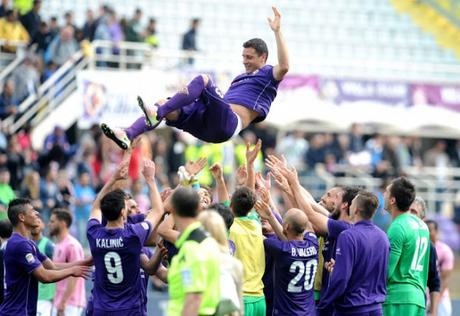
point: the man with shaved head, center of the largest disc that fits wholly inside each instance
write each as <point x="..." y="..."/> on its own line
<point x="357" y="284"/>
<point x="295" y="254"/>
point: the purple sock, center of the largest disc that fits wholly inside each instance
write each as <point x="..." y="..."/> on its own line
<point x="180" y="99"/>
<point x="137" y="128"/>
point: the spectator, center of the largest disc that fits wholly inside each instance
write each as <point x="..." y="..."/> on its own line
<point x="49" y="191"/>
<point x="12" y="30"/>
<point x="31" y="20"/>
<point x="133" y="31"/>
<point x="294" y="147"/>
<point x="446" y="265"/>
<point x="6" y="191"/>
<point x="57" y="147"/>
<point x="89" y="28"/>
<point x="4" y="6"/>
<point x="54" y="26"/>
<point x="151" y="33"/>
<point x="45" y="291"/>
<point x="356" y="138"/>
<point x="63" y="47"/>
<point x="43" y="39"/>
<point x="189" y="39"/>
<point x="68" y="21"/>
<point x="66" y="190"/>
<point x="8" y="104"/>
<point x="316" y="152"/>
<point x="26" y="79"/>
<point x="15" y="163"/>
<point x="84" y="197"/>
<point x="30" y="189"/>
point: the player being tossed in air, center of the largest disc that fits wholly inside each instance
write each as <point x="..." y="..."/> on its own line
<point x="200" y="108"/>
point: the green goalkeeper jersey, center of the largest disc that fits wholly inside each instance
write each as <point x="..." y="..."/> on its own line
<point x="409" y="260"/>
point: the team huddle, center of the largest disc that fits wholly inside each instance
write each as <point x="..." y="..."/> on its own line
<point x="232" y="254"/>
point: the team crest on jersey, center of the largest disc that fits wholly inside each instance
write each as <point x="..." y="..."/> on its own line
<point x="219" y="93"/>
<point x="30" y="258"/>
<point x="186" y="277"/>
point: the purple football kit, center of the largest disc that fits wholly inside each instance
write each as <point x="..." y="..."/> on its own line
<point x="21" y="258"/>
<point x="295" y="264"/>
<point x="357" y="284"/>
<point x="116" y="254"/>
<point x="206" y="113"/>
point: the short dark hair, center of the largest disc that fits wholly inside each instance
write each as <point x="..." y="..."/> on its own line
<point x="6" y="229"/>
<point x="185" y="202"/>
<point x="367" y="204"/>
<point x="404" y="193"/>
<point x="243" y="200"/>
<point x="432" y="222"/>
<point x="112" y="203"/>
<point x="349" y="193"/>
<point x="223" y="211"/>
<point x="63" y="215"/>
<point x="16" y="207"/>
<point x="259" y="46"/>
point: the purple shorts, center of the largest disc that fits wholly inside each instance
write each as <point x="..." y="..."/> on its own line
<point x="209" y="118"/>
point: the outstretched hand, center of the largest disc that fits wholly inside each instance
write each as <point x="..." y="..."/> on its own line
<point x="121" y="172"/>
<point x="194" y="167"/>
<point x="251" y="154"/>
<point x="148" y="170"/>
<point x="241" y="175"/>
<point x="275" y="23"/>
<point x="216" y="171"/>
<point x="263" y="209"/>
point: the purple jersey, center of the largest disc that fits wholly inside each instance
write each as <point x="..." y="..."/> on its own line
<point x="21" y="258"/>
<point x="358" y="282"/>
<point x="116" y="254"/>
<point x="255" y="91"/>
<point x="296" y="262"/>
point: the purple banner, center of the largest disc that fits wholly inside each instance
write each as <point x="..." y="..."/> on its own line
<point x="352" y="90"/>
<point x="436" y="95"/>
<point x="300" y="81"/>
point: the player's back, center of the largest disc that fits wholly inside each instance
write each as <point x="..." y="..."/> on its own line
<point x="409" y="237"/>
<point x="116" y="255"/>
<point x="296" y="263"/>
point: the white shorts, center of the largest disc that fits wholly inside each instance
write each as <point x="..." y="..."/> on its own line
<point x="445" y="307"/>
<point x="44" y="308"/>
<point x="239" y="126"/>
<point x="69" y="311"/>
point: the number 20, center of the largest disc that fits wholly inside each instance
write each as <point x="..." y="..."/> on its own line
<point x="309" y="275"/>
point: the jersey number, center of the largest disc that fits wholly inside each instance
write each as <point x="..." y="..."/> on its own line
<point x="112" y="262"/>
<point x="309" y="269"/>
<point x="419" y="254"/>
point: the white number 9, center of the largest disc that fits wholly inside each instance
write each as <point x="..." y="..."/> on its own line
<point x="112" y="262"/>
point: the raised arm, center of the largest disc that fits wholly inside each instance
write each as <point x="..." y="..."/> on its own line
<point x="157" y="209"/>
<point x="120" y="174"/>
<point x="264" y="211"/>
<point x="317" y="220"/>
<point x="251" y="156"/>
<point x="222" y="193"/>
<point x="283" y="57"/>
